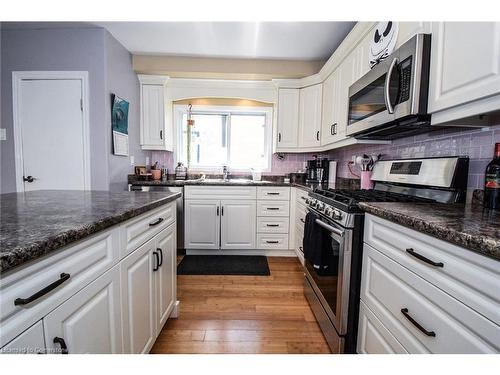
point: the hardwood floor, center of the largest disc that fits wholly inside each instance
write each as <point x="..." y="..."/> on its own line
<point x="243" y="314"/>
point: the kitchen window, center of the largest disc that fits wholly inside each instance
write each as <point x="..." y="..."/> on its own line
<point x="239" y="137"/>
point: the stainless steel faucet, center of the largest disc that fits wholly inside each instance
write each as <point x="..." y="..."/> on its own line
<point x="225" y="172"/>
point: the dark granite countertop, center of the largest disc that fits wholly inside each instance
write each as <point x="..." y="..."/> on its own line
<point x="467" y="226"/>
<point x="36" y="223"/>
<point x="210" y="182"/>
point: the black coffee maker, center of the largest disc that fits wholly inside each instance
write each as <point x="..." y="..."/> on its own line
<point x="317" y="170"/>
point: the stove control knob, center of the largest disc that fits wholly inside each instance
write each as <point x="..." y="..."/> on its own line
<point x="320" y="206"/>
<point x="328" y="211"/>
<point x="337" y="215"/>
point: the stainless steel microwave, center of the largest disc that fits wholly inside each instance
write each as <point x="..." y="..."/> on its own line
<point x="390" y="101"/>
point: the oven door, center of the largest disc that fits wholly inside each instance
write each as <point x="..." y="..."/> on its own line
<point x="331" y="282"/>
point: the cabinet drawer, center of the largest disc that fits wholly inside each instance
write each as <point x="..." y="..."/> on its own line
<point x="137" y="231"/>
<point x="272" y="241"/>
<point x="301" y="196"/>
<point x="83" y="263"/>
<point x="273" y="208"/>
<point x="272" y="224"/>
<point x="300" y="215"/>
<point x="29" y="342"/>
<point x="273" y="192"/>
<point x="373" y="337"/>
<point x="397" y="296"/>
<point x="220" y="192"/>
<point x="469" y="277"/>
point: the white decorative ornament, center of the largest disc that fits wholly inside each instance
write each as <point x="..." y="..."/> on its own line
<point x="383" y="42"/>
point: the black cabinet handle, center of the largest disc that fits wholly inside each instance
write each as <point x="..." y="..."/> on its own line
<point x="271" y="193"/>
<point x="279" y="137"/>
<point x="272" y="225"/>
<point x="222" y="211"/>
<point x="156" y="222"/>
<point x="416" y="324"/>
<point x="423" y="259"/>
<point x="272" y="208"/>
<point x="333" y="129"/>
<point x="62" y="343"/>
<point x="161" y="134"/>
<point x="272" y="241"/>
<point x="157" y="257"/>
<point x="301" y="219"/>
<point x="317" y="135"/>
<point x="24" y="301"/>
<point x="301" y="249"/>
<point x="28" y="179"/>
<point x="161" y="256"/>
<point x="217" y="210"/>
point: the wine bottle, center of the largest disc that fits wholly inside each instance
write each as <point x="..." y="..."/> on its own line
<point x="492" y="181"/>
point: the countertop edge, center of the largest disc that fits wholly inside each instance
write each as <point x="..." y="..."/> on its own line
<point x="68" y="237"/>
<point x="477" y="244"/>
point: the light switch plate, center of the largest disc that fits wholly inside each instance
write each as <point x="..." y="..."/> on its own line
<point x="3" y="134"/>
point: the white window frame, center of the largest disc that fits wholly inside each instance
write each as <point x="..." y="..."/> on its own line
<point x="181" y="109"/>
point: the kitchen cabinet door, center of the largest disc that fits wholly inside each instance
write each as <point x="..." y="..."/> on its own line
<point x="30" y="341"/>
<point x="347" y="75"/>
<point x="330" y="109"/>
<point x="460" y="75"/>
<point x="138" y="300"/>
<point x="165" y="277"/>
<point x="288" y="118"/>
<point x="90" y="321"/>
<point x="202" y="224"/>
<point x="310" y="115"/>
<point x="238" y="224"/>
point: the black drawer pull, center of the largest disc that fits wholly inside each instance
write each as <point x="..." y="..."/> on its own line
<point x="24" y="301"/>
<point x="273" y="193"/>
<point x="423" y="259"/>
<point x="156" y="222"/>
<point x="302" y="219"/>
<point x="416" y="324"/>
<point x="272" y="208"/>
<point x="161" y="256"/>
<point x="272" y="241"/>
<point x="62" y="343"/>
<point x="301" y="249"/>
<point x="157" y="265"/>
<point x="272" y="225"/>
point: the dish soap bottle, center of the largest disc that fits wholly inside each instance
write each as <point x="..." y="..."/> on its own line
<point x="180" y="171"/>
<point x="492" y="181"/>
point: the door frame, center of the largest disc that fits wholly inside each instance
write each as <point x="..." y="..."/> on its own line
<point x="17" y="78"/>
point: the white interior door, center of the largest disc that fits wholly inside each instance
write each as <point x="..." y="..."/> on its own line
<point x="51" y="134"/>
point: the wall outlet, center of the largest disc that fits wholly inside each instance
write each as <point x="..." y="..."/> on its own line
<point x="3" y="134"/>
<point x="132" y="160"/>
<point x="147" y="161"/>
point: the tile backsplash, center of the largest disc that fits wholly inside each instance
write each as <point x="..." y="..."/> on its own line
<point x="478" y="144"/>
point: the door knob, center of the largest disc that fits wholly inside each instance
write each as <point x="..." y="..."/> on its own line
<point x="29" y="179"/>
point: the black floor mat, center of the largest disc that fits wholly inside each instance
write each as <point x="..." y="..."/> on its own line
<point x="245" y="265"/>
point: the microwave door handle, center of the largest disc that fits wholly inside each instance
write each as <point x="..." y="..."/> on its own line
<point x="387" y="98"/>
<point x="330" y="228"/>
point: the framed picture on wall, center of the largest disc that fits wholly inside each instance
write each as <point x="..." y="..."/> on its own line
<point x="119" y="125"/>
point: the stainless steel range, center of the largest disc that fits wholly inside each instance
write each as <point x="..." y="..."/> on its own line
<point x="333" y="235"/>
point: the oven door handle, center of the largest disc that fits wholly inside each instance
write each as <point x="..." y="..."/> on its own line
<point x="330" y="228"/>
<point x="387" y="82"/>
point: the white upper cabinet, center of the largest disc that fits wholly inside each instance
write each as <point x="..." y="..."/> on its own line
<point x="156" y="119"/>
<point x="288" y="119"/>
<point x="465" y="69"/>
<point x="331" y="109"/>
<point x="310" y="116"/>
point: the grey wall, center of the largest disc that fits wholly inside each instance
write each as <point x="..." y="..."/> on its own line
<point x="122" y="81"/>
<point x="110" y="70"/>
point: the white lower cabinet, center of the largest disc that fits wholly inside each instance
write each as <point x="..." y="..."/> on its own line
<point x="202" y="224"/>
<point x="30" y="341"/>
<point x="411" y="305"/>
<point x="165" y="277"/>
<point x="90" y="321"/>
<point x="138" y="298"/>
<point x="238" y="224"/>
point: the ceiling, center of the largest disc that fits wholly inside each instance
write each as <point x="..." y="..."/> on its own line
<point x="305" y="41"/>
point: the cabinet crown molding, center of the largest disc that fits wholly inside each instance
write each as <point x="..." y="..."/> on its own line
<point x="149" y="79"/>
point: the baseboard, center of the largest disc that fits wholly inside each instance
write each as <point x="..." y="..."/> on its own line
<point x="268" y="253"/>
<point x="175" y="311"/>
